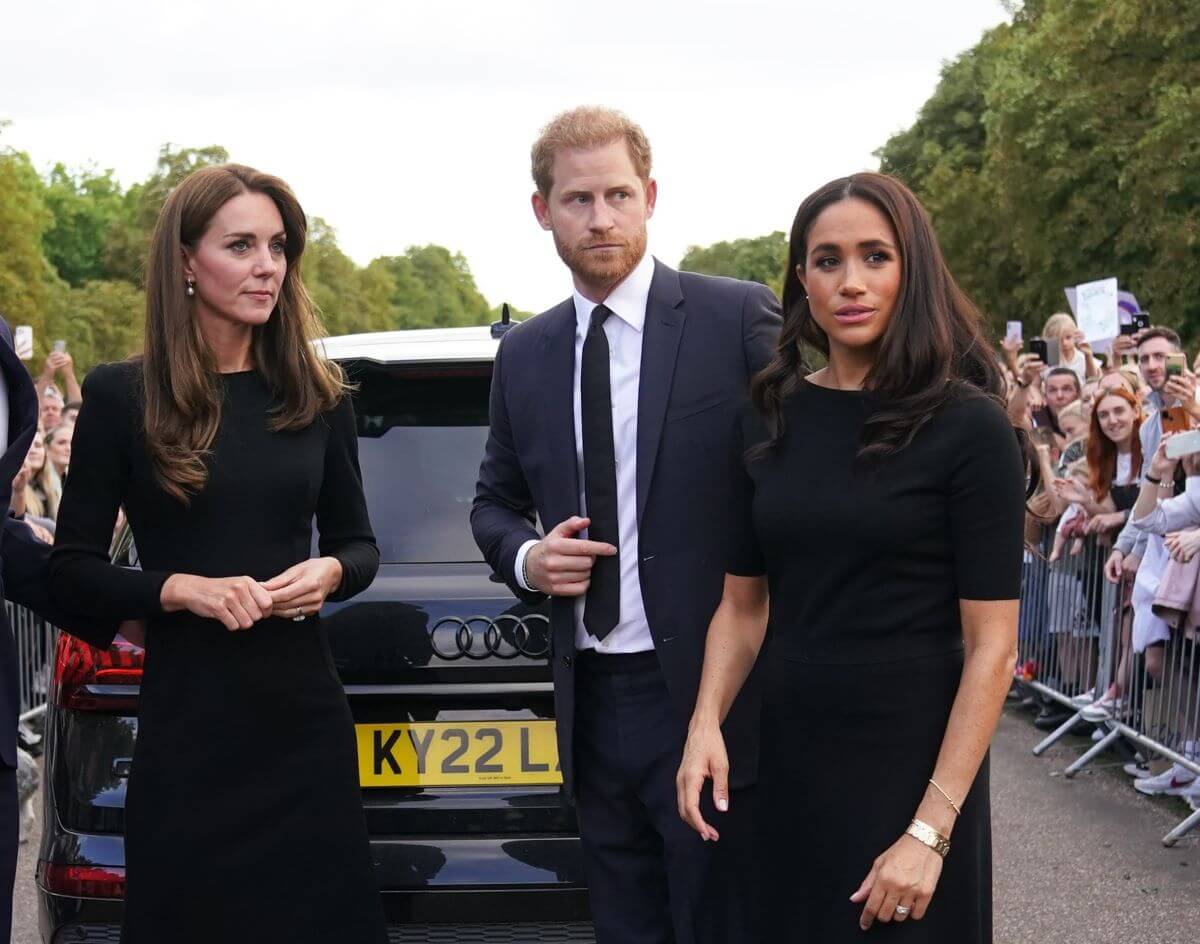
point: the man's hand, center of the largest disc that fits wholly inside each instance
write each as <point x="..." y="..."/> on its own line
<point x="1183" y="388"/>
<point x="560" y="564"/>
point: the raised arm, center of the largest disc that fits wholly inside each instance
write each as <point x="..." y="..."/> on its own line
<point x="1155" y="511"/>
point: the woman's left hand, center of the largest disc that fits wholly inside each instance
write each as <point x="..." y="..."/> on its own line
<point x="301" y="590"/>
<point x="906" y="875"/>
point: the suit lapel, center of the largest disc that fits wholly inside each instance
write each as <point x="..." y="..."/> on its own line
<point x="660" y="345"/>
<point x="558" y="400"/>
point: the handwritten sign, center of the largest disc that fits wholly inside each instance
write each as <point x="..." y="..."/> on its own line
<point x="1096" y="309"/>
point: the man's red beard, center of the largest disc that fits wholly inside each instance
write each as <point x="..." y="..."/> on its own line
<point x="603" y="268"/>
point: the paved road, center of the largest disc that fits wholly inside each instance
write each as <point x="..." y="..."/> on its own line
<point x="1081" y="861"/>
<point x="1077" y="861"/>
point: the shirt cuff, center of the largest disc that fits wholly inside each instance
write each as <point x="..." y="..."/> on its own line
<point x="519" y="566"/>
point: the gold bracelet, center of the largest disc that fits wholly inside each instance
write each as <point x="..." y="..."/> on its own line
<point x="953" y="805"/>
<point x="928" y="836"/>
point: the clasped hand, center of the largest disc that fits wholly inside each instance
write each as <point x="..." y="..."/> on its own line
<point x="240" y="602"/>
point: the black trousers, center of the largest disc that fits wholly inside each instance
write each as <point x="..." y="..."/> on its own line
<point x="651" y="879"/>
<point x="8" y="847"/>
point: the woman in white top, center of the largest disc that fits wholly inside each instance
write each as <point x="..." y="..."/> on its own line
<point x="1163" y="514"/>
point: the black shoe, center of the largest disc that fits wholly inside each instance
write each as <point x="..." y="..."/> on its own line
<point x="1050" y="718"/>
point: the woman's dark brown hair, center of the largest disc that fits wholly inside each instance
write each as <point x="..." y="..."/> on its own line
<point x="1102" y="451"/>
<point x="179" y="371"/>
<point x="932" y="350"/>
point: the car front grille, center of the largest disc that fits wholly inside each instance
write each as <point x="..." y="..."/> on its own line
<point x="89" y="934"/>
<point x="579" y="932"/>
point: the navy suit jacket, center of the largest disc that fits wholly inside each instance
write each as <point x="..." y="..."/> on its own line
<point x="704" y="338"/>
<point x="24" y="560"/>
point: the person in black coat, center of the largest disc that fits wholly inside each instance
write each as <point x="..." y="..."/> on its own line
<point x="613" y="405"/>
<point x="24" y="579"/>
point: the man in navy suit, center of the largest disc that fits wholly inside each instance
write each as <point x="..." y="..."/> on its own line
<point x="613" y="419"/>
<point x="23" y="579"/>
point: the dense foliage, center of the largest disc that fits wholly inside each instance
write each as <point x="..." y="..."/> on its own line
<point x="1061" y="148"/>
<point x="72" y="246"/>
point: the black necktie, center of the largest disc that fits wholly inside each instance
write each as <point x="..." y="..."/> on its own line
<point x="603" y="605"/>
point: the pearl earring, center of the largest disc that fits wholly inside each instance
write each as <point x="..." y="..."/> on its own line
<point x="191" y="287"/>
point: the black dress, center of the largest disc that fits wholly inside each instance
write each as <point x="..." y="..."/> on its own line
<point x="864" y="649"/>
<point x="244" y="819"/>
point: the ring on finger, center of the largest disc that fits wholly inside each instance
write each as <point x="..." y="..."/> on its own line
<point x="299" y="617"/>
<point x="903" y="911"/>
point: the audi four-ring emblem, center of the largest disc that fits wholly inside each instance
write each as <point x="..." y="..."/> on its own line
<point x="500" y="637"/>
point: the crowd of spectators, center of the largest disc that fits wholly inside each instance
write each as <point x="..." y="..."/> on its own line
<point x="37" y="488"/>
<point x="1110" y="497"/>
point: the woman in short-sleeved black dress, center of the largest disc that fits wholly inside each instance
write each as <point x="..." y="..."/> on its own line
<point x="861" y="565"/>
<point x="244" y="819"/>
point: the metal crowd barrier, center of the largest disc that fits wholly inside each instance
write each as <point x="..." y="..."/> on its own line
<point x="1074" y="642"/>
<point x="35" y="648"/>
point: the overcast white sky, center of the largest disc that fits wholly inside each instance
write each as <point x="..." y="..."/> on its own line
<point x="403" y="123"/>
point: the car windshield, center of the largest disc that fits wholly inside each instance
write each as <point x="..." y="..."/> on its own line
<point x="421" y="432"/>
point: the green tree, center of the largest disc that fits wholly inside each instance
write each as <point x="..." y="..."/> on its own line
<point x="27" y="281"/>
<point x="762" y="259"/>
<point x="86" y="206"/>
<point x="100" y="320"/>
<point x="72" y="247"/>
<point x="1062" y="148"/>
<point x="433" y="288"/>
<point x="128" y="239"/>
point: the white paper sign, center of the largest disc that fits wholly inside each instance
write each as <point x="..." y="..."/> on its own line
<point x="1096" y="309"/>
<point x="23" y="341"/>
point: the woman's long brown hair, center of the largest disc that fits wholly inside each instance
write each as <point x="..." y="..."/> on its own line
<point x="1102" y="451"/>
<point x="933" y="349"/>
<point x="181" y="385"/>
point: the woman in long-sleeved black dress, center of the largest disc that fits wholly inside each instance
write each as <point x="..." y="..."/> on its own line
<point x="878" y="531"/>
<point x="223" y="442"/>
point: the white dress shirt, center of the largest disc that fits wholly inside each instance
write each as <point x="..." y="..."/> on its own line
<point x="624" y="331"/>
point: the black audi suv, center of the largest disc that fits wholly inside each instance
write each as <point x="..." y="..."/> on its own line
<point x="447" y="676"/>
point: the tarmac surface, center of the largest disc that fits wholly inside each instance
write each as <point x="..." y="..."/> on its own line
<point x="1076" y="861"/>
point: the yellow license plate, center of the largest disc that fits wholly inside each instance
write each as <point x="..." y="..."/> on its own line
<point x="457" y="754"/>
